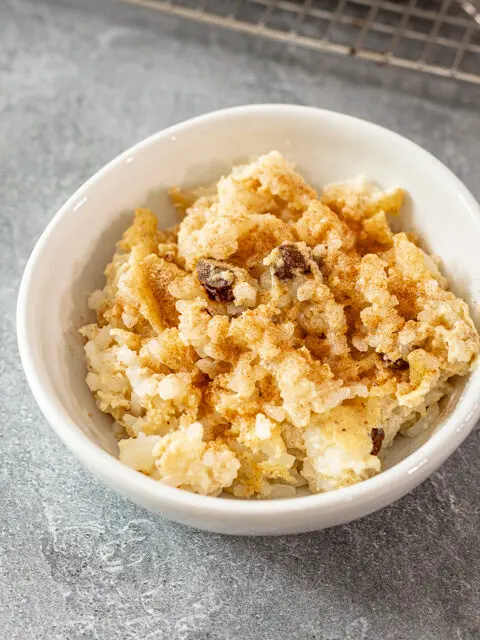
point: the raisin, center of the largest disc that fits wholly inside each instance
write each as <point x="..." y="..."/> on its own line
<point x="217" y="279"/>
<point x="396" y="365"/>
<point x="291" y="263"/>
<point x="377" y="436"/>
<point x="318" y="261"/>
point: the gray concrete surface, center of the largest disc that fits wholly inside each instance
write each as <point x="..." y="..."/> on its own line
<point x="79" y="82"/>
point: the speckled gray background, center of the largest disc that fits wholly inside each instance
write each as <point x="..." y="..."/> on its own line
<point x="79" y="82"/>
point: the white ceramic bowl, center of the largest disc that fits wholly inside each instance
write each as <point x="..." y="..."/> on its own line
<point x="69" y="259"/>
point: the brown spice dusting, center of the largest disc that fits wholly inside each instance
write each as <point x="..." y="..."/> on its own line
<point x="258" y="392"/>
<point x="154" y="278"/>
<point x="291" y="263"/>
<point x="377" y="436"/>
<point x="217" y="280"/>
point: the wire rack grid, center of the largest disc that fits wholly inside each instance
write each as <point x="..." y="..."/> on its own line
<point x="441" y="37"/>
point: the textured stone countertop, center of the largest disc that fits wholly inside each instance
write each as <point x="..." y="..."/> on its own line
<point x="79" y="82"/>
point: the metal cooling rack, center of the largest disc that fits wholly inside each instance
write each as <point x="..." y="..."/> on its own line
<point x="436" y="36"/>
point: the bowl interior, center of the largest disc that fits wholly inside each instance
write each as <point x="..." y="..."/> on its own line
<point x="70" y="259"/>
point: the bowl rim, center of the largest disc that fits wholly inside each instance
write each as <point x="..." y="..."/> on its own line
<point x="407" y="473"/>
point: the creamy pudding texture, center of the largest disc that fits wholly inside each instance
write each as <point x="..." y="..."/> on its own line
<point x="277" y="338"/>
